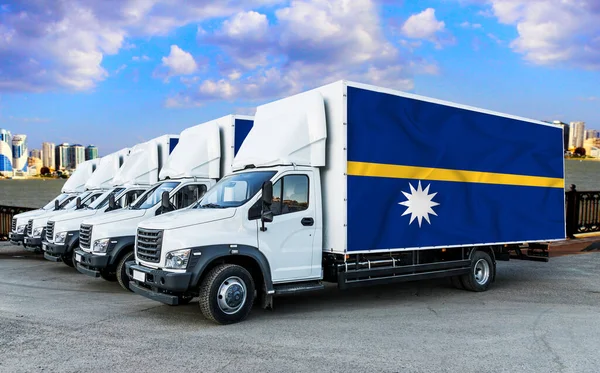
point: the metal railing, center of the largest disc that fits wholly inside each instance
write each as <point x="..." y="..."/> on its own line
<point x="583" y="211"/>
<point x="6" y="215"/>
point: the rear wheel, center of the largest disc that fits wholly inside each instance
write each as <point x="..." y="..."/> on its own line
<point x="227" y="294"/>
<point x="481" y="274"/>
<point x="122" y="277"/>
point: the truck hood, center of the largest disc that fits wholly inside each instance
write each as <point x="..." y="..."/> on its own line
<point x="77" y="214"/>
<point x="115" y="216"/>
<point x="187" y="217"/>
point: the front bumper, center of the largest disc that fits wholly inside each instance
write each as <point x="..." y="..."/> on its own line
<point x="162" y="286"/>
<point x="54" y="252"/>
<point x="32" y="242"/>
<point x="90" y="264"/>
<point x="16" y="238"/>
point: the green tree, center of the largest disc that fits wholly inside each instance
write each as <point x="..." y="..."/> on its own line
<point x="45" y="171"/>
<point x="579" y="152"/>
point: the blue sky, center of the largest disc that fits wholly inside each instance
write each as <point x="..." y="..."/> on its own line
<point x="115" y="73"/>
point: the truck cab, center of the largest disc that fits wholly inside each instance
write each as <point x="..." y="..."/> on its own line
<point x="201" y="155"/>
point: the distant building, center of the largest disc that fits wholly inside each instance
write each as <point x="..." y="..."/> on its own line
<point x="576" y="135"/>
<point x="91" y="152"/>
<point x="78" y="156"/>
<point x="48" y="155"/>
<point x="62" y="156"/>
<point x="20" y="153"/>
<point x="591" y="134"/>
<point x="565" y="133"/>
<point x="36" y="153"/>
<point x="35" y="165"/>
<point x="6" y="157"/>
<point x="591" y="146"/>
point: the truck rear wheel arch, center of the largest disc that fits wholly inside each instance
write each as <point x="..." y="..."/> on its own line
<point x="247" y="257"/>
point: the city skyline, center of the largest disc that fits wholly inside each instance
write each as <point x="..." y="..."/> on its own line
<point x="176" y="64"/>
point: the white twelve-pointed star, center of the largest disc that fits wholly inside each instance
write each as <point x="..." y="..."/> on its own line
<point x="419" y="204"/>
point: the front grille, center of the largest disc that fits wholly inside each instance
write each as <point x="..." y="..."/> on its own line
<point x="85" y="236"/>
<point x="30" y="227"/>
<point x="149" y="243"/>
<point x="14" y="225"/>
<point x="50" y="231"/>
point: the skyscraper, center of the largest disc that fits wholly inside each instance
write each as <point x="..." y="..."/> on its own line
<point x="48" y="155"/>
<point x="576" y="134"/>
<point x="78" y="155"/>
<point x="20" y="153"/>
<point x="91" y="152"/>
<point x="5" y="151"/>
<point x="62" y="156"/>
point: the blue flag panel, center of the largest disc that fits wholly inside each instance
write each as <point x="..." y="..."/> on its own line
<point x="422" y="174"/>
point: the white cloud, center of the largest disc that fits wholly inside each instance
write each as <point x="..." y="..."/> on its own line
<point x="345" y="40"/>
<point x="46" y="45"/>
<point x="470" y="25"/>
<point x="426" y="26"/>
<point x="141" y="58"/>
<point x="554" y="31"/>
<point x="179" y="62"/>
<point x="120" y="68"/>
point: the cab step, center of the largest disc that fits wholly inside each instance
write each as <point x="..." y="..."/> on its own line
<point x="298" y="287"/>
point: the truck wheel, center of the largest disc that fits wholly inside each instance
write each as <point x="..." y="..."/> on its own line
<point x="69" y="259"/>
<point x="481" y="274"/>
<point x="227" y="294"/>
<point x="108" y="275"/>
<point x="121" y="273"/>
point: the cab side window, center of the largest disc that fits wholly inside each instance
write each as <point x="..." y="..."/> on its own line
<point x="129" y="197"/>
<point x="188" y="195"/>
<point x="290" y="194"/>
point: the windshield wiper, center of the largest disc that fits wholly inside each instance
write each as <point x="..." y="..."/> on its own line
<point x="212" y="206"/>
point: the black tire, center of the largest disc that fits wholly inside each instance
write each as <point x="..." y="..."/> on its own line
<point x="234" y="278"/>
<point x="108" y="275"/>
<point x="69" y="259"/>
<point x="122" y="277"/>
<point x="456" y="282"/>
<point x="477" y="279"/>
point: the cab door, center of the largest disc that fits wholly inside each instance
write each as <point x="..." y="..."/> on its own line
<point x="288" y="240"/>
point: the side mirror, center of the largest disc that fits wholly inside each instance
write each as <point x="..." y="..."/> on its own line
<point x="78" y="201"/>
<point x="164" y="200"/>
<point x="267" y="193"/>
<point x="111" y="202"/>
<point x="266" y="215"/>
<point x="56" y="204"/>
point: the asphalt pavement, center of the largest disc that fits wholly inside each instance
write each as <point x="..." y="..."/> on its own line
<point x="537" y="317"/>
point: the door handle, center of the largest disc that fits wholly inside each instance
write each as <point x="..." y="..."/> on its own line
<point x="307" y="222"/>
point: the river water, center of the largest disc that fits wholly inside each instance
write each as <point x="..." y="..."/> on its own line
<point x="37" y="192"/>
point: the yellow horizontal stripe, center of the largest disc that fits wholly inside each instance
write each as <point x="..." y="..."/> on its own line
<point x="441" y="174"/>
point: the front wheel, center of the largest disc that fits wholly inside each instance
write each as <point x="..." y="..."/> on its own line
<point x="481" y="274"/>
<point x="122" y="277"/>
<point x="108" y="275"/>
<point x="227" y="294"/>
<point x="69" y="259"/>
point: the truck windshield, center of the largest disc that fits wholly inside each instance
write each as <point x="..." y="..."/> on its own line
<point x="154" y="195"/>
<point x="60" y="198"/>
<point x="73" y="203"/>
<point x="103" y="199"/>
<point x="234" y="190"/>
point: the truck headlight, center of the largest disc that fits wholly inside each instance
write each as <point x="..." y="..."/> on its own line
<point x="100" y="246"/>
<point x="59" y="238"/>
<point x="37" y="232"/>
<point x="21" y="228"/>
<point x="177" y="259"/>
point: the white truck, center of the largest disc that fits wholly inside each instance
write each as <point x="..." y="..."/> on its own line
<point x="74" y="187"/>
<point x="358" y="185"/>
<point x="139" y="170"/>
<point x="203" y="155"/>
<point x="36" y="225"/>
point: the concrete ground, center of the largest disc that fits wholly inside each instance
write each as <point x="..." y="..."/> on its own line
<point x="538" y="317"/>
